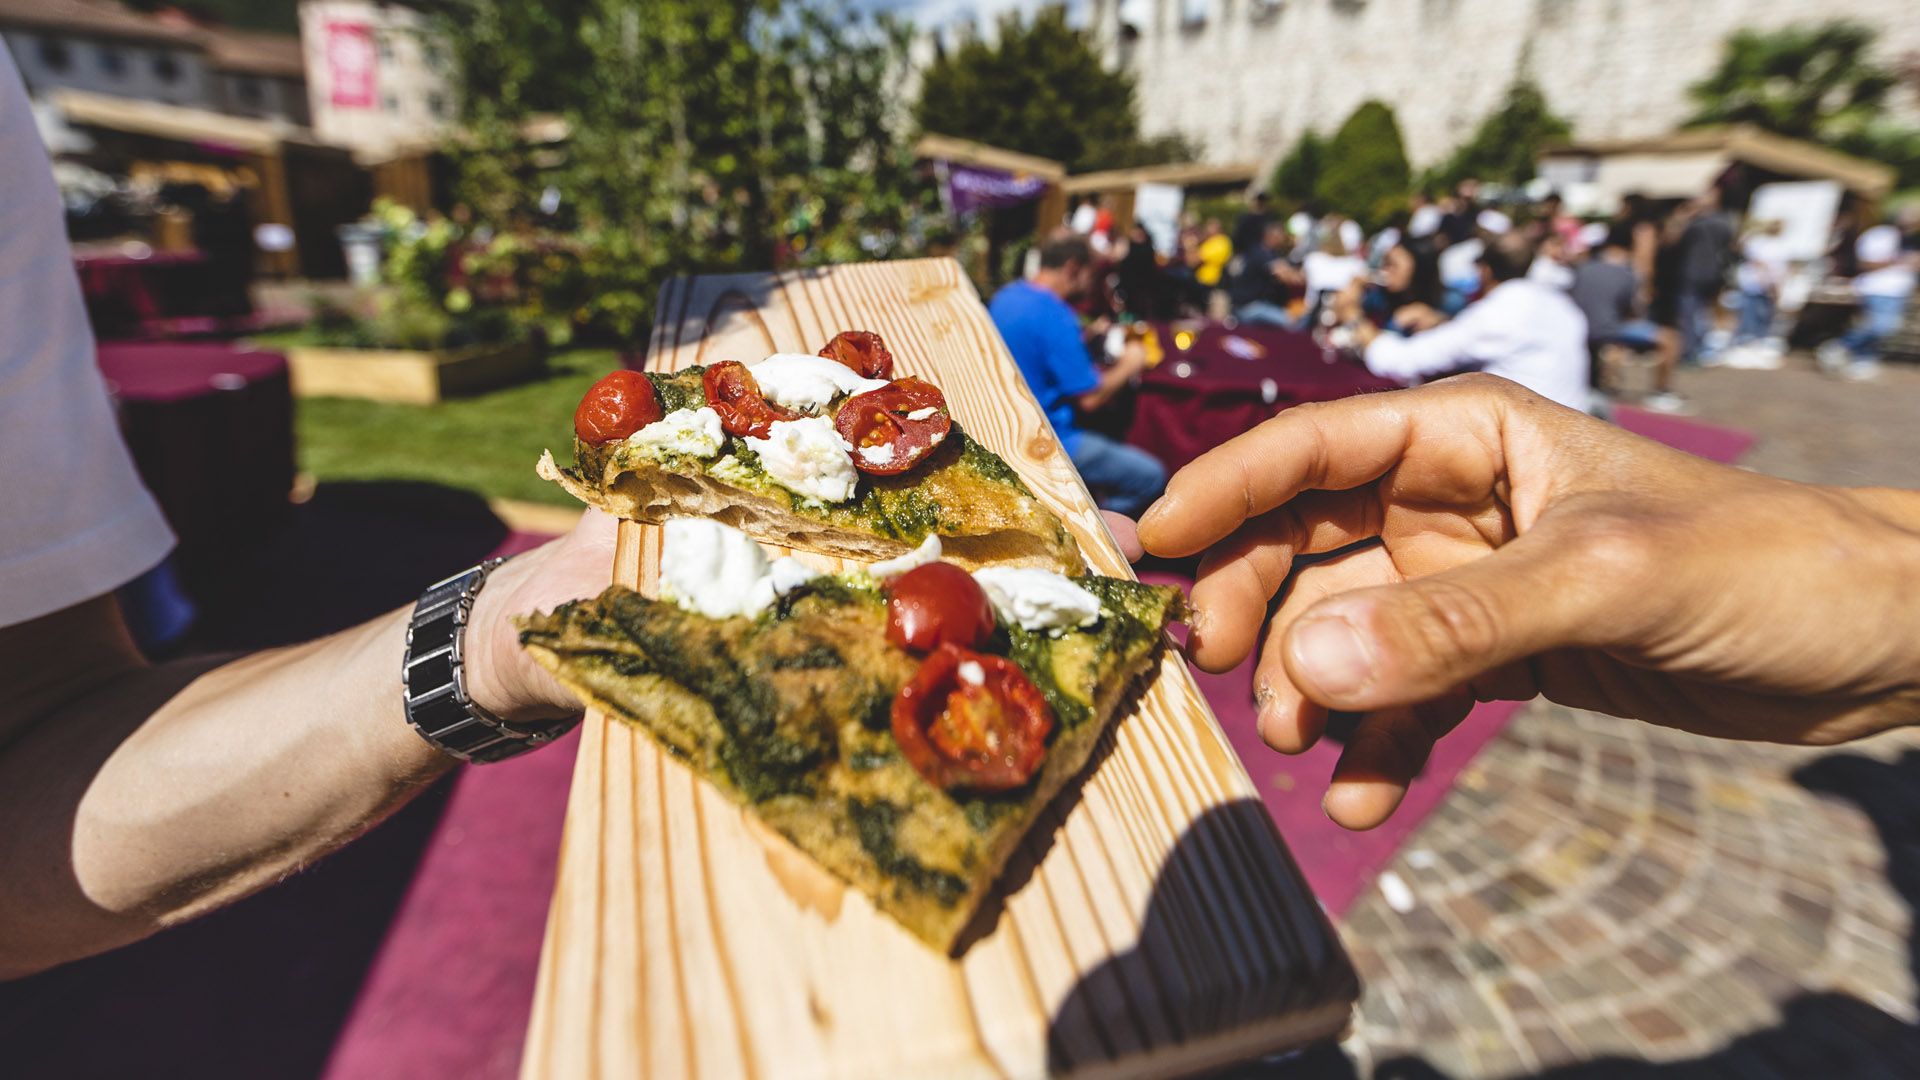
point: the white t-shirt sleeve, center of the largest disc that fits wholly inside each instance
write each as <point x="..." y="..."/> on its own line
<point x="1449" y="347"/>
<point x="1880" y="244"/>
<point x="74" y="520"/>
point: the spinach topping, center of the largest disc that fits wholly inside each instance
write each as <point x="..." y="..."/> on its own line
<point x="1033" y="651"/>
<point x="983" y="813"/>
<point x="818" y="656"/>
<point x="824" y="591"/>
<point x="684" y="389"/>
<point x="758" y="757"/>
<point x="876" y="822"/>
<point x="1136" y="612"/>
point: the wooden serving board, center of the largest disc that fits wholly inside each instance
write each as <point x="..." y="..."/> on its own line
<point x="1153" y="924"/>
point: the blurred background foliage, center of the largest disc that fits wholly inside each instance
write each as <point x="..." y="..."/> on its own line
<point x="1815" y="82"/>
<point x="698" y="136"/>
<point x="1039" y="87"/>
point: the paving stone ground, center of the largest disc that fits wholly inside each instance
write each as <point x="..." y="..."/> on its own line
<point x="1602" y="898"/>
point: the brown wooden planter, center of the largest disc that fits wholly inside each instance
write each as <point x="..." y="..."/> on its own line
<point x="410" y="376"/>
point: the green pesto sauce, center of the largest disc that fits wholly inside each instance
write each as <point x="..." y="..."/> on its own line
<point x="988" y="464"/>
<point x="875" y="824"/>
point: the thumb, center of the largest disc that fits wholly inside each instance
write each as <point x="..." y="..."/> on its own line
<point x="1412" y="642"/>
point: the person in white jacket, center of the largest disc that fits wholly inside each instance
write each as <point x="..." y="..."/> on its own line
<point x="1521" y="330"/>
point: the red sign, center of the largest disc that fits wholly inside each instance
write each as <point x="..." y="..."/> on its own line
<point x="351" y="59"/>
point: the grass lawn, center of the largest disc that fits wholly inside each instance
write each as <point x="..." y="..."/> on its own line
<point x="485" y="444"/>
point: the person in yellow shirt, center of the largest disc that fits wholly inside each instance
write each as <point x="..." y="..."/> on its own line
<point x="1215" y="252"/>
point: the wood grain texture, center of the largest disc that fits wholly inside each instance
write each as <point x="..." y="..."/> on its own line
<point x="1153" y="924"/>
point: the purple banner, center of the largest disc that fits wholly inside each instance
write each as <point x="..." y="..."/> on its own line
<point x="970" y="188"/>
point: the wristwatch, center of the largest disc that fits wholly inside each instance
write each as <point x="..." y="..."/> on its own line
<point x="433" y="679"/>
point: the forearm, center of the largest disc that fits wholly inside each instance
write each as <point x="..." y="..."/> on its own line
<point x="167" y="791"/>
<point x="1430" y="352"/>
<point x="1112" y="381"/>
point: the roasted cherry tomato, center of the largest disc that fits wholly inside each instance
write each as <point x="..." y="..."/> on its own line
<point x="616" y="407"/>
<point x="894" y="428"/>
<point x="972" y="721"/>
<point x="734" y="393"/>
<point x="937" y="604"/>
<point x="863" y="351"/>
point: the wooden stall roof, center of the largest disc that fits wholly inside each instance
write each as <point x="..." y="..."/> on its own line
<point x="968" y="152"/>
<point x="1746" y="143"/>
<point x="179" y="123"/>
<point x="1187" y="175"/>
<point x="249" y="52"/>
<point x="95" y="20"/>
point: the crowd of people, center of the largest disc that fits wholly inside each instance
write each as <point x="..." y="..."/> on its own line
<point x="1519" y="288"/>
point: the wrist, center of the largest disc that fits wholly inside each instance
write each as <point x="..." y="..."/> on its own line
<point x="500" y="676"/>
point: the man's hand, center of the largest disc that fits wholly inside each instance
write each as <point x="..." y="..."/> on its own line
<point x="1417" y="317"/>
<point x="501" y="677"/>
<point x="1493" y="545"/>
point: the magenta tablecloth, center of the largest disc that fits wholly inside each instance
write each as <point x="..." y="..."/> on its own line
<point x="211" y="430"/>
<point x="128" y="296"/>
<point x="1227" y="381"/>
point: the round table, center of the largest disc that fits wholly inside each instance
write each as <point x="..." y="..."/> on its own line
<point x="211" y="431"/>
<point x="1228" y="379"/>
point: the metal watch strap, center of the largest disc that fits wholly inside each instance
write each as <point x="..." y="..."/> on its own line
<point x="433" y="679"/>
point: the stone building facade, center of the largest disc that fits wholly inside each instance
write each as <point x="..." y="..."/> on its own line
<point x="377" y="76"/>
<point x="1247" y="77"/>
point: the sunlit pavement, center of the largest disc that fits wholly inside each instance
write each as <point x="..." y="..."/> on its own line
<point x="1597" y="897"/>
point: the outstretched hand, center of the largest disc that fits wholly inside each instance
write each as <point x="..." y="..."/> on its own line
<point x="1493" y="545"/>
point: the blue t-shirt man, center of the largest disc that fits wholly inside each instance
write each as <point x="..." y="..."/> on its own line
<point x="1043" y="335"/>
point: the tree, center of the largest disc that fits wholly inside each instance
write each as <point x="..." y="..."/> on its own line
<point x="1040" y="88"/>
<point x="1806" y="82"/>
<point x="1810" y="82"/>
<point x="1507" y="144"/>
<point x="1365" y="174"/>
<point x="700" y="135"/>
<point x="1297" y="176"/>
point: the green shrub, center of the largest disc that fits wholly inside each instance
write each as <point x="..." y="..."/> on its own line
<point x="1298" y="174"/>
<point x="1506" y="147"/>
<point x="1365" y="174"/>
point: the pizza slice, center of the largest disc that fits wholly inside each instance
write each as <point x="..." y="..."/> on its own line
<point x="827" y="453"/>
<point x="904" y="726"/>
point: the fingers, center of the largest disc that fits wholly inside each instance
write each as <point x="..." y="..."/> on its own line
<point x="1124" y="534"/>
<point x="1332" y="446"/>
<point x="1384" y="755"/>
<point x="1239" y="577"/>
<point x="1378" y="648"/>
<point x="1288" y="720"/>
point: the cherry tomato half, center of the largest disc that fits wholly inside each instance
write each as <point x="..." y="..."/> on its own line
<point x="972" y="721"/>
<point x="894" y="428"/>
<point x="734" y="393"/>
<point x="937" y="604"/>
<point x="863" y="351"/>
<point x="616" y="407"/>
